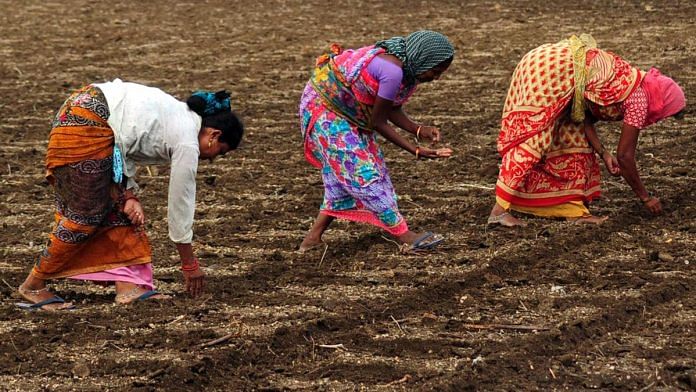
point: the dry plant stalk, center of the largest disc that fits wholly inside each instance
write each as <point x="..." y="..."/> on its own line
<point x="402" y="380"/>
<point x="339" y="346"/>
<point x="507" y="326"/>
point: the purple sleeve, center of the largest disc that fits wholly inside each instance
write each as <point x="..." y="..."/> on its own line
<point x="388" y="75"/>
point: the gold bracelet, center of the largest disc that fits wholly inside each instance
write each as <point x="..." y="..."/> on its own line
<point x="418" y="132"/>
<point x="417" y="152"/>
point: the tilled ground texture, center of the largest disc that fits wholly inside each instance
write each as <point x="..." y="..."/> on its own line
<point x="609" y="307"/>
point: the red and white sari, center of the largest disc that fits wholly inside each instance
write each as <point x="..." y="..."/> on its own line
<point x="546" y="158"/>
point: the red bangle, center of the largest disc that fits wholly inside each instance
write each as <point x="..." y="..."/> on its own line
<point x="190" y="267"/>
<point x="648" y="200"/>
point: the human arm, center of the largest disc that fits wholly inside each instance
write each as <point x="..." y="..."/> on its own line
<point x="131" y="204"/>
<point x="181" y="208"/>
<point x="596" y="144"/>
<point x="381" y="113"/>
<point x="194" y="277"/>
<point x="626" y="155"/>
<point x="399" y="118"/>
<point x="386" y="69"/>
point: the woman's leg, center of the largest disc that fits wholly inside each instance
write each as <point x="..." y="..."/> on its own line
<point x="338" y="199"/>
<point x="313" y="237"/>
<point x="517" y="165"/>
<point x="561" y="184"/>
<point x="409" y="237"/>
<point x="127" y="292"/>
<point x="34" y="290"/>
<point x="131" y="282"/>
<point x="82" y="201"/>
<point x="380" y="201"/>
<point x="501" y="216"/>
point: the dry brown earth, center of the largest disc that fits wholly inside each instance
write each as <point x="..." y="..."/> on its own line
<point x="614" y="313"/>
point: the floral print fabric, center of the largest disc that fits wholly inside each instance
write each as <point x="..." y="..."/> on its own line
<point x="335" y="114"/>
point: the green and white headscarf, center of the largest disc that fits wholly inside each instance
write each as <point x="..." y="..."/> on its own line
<point x="419" y="51"/>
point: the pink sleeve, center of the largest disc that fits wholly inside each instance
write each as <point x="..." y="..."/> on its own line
<point x="389" y="76"/>
<point x="635" y="108"/>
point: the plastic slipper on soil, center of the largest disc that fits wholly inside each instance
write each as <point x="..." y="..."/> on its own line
<point x="146" y="295"/>
<point x="427" y="241"/>
<point x="131" y="294"/>
<point x="39" y="305"/>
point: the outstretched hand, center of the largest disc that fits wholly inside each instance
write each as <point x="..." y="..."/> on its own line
<point x="434" y="153"/>
<point x="611" y="163"/>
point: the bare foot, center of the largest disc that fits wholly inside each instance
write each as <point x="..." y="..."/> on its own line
<point x="590" y="219"/>
<point x="505" y="219"/>
<point x="310" y="243"/>
<point x="408" y="237"/>
<point x="313" y="238"/>
<point x="36" y="295"/>
<point x="499" y="216"/>
<point x="413" y="243"/>
<point x="127" y="293"/>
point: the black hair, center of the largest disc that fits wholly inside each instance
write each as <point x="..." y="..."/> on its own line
<point x="226" y="121"/>
<point x="447" y="61"/>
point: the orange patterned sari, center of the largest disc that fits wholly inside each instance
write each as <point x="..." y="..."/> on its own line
<point x="546" y="158"/>
<point x="91" y="233"/>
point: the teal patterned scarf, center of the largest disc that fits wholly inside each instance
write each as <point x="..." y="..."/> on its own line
<point x="419" y="51"/>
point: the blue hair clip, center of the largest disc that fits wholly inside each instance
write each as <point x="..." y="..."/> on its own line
<point x="214" y="102"/>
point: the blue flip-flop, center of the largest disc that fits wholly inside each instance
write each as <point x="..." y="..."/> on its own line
<point x="142" y="297"/>
<point x="39" y="305"/>
<point x="146" y="295"/>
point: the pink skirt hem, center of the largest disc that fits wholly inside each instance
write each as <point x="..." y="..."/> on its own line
<point x="140" y="274"/>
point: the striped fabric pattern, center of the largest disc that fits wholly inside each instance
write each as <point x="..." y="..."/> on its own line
<point x="419" y="51"/>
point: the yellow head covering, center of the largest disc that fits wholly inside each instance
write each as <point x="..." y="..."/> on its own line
<point x="578" y="48"/>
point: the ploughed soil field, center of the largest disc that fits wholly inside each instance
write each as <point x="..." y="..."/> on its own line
<point x="552" y="306"/>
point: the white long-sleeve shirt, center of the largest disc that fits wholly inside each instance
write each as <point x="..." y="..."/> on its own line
<point x="152" y="127"/>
